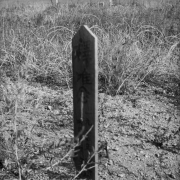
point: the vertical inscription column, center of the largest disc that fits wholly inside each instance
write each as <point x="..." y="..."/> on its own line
<point x="85" y="100"/>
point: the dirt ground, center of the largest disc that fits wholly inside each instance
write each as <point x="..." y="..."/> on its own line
<point x="141" y="131"/>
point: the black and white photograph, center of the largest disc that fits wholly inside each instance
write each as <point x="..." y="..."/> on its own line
<point x="89" y="89"/>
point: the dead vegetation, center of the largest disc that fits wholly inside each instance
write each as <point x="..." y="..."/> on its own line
<point x="139" y="91"/>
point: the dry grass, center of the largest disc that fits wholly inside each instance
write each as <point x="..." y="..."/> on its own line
<point x="135" y="46"/>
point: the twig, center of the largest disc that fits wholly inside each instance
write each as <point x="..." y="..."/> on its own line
<point x="83" y="168"/>
<point x="70" y="151"/>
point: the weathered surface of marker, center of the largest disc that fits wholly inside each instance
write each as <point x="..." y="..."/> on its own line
<point x="85" y="100"/>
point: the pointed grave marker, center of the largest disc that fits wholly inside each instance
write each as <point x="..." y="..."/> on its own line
<point x="85" y="101"/>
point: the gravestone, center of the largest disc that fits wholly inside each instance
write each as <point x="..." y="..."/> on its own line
<point x="85" y="101"/>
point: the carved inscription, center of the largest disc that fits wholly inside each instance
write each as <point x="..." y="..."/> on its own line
<point x="85" y="77"/>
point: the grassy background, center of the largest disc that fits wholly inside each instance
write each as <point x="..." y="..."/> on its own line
<point x="137" y="46"/>
<point x="146" y="3"/>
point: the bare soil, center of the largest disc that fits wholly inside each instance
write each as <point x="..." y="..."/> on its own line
<point x="141" y="131"/>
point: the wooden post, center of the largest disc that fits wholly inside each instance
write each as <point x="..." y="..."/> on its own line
<point x="85" y="101"/>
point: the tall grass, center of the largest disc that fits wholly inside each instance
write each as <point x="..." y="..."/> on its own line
<point x="136" y="46"/>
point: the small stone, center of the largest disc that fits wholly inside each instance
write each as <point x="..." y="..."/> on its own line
<point x="49" y="108"/>
<point x="146" y="156"/>
<point x="56" y="112"/>
<point x="115" y="149"/>
<point x="121" y="175"/>
<point x="110" y="162"/>
<point x="157" y="155"/>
